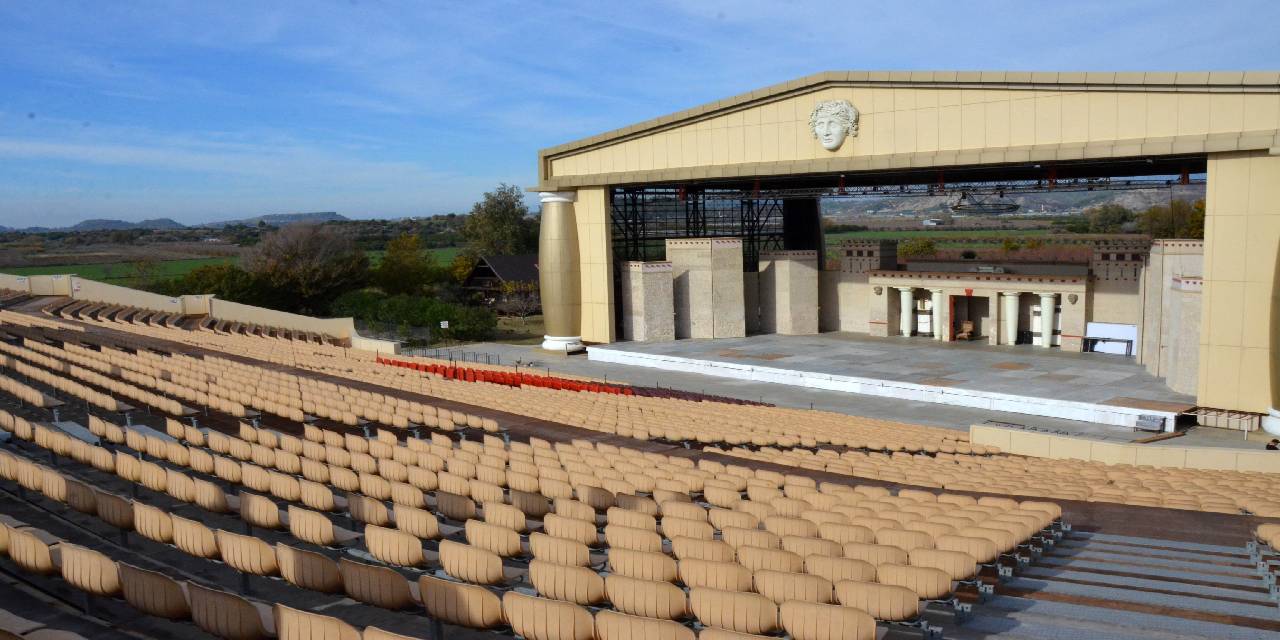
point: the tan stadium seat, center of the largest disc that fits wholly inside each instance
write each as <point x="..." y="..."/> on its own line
<point x="152" y="523"/>
<point x="460" y="604"/>
<point x="632" y="519"/>
<point x="292" y="624"/>
<point x="575" y="584"/>
<point x="259" y="511"/>
<point x="757" y="558"/>
<point x="576" y="509"/>
<point x="308" y="569"/>
<point x="316" y="495"/>
<point x="611" y="625"/>
<point x="736" y="537"/>
<point x="875" y="554"/>
<point x="734" y="611"/>
<point x="367" y="510"/>
<point x="958" y="565"/>
<point x="229" y="616"/>
<point x="782" y="526"/>
<point x="643" y="565"/>
<point x="780" y="586"/>
<point x="835" y="569"/>
<point x="180" y="486"/>
<point x="928" y="583"/>
<point x="455" y="507"/>
<point x="246" y="554"/>
<point x="559" y="550"/>
<point x="810" y="621"/>
<point x="571" y="529"/>
<point x="88" y="570"/>
<point x="154" y="593"/>
<point x="802" y="546"/>
<point x="890" y="603"/>
<point x="393" y="546"/>
<point x="193" y="538"/>
<point x="758" y="509"/>
<point x="675" y="527"/>
<point x="542" y="619"/>
<point x="471" y="564"/>
<point x="684" y="510"/>
<point x="621" y="537"/>
<point x="496" y="538"/>
<point x="726" y="576"/>
<point x="647" y="598"/>
<point x="715" y="550"/>
<point x="903" y="539"/>
<point x="317" y="528"/>
<point x="533" y="504"/>
<point x="843" y="533"/>
<point x="376" y="585"/>
<point x="505" y="515"/>
<point x="638" y="504"/>
<point x="419" y="523"/>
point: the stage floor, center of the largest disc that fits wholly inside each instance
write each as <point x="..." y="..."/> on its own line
<point x="1091" y="387"/>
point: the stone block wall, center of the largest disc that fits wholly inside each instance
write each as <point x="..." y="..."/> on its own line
<point x="708" y="287"/>
<point x="789" y="292"/>
<point x="647" y="301"/>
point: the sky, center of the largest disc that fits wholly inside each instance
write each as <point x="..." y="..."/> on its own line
<point x="202" y="111"/>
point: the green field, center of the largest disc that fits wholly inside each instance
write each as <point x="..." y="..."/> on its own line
<point x="947" y="238"/>
<point x="443" y="256"/>
<point x="121" y="273"/>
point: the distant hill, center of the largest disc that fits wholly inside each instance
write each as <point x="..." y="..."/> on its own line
<point x="281" y="219"/>
<point x="99" y="224"/>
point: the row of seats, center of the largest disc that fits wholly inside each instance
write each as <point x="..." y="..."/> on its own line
<point x="15" y="627"/>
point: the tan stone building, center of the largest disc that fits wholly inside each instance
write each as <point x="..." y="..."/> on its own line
<point x="759" y="162"/>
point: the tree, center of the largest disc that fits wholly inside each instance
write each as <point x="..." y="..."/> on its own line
<point x="306" y="266"/>
<point x="499" y="224"/>
<point x="405" y="268"/>
<point x="520" y="299"/>
<point x="917" y="248"/>
<point x="1009" y="245"/>
<point x="462" y="266"/>
<point x="1180" y="219"/>
<point x="144" y="270"/>
<point x="1109" y="218"/>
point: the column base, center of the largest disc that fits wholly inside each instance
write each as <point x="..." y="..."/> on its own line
<point x="563" y="344"/>
<point x="1271" y="422"/>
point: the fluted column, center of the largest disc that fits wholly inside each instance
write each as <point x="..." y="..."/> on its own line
<point x="1009" y="315"/>
<point x="936" y="321"/>
<point x="907" y="317"/>
<point x="559" y="275"/>
<point x="1047" y="304"/>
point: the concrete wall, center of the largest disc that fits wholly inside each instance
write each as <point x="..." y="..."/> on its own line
<point x="789" y="292"/>
<point x="1180" y="355"/>
<point x="691" y="287"/>
<point x="646" y="298"/>
<point x="1170" y="332"/>
<point x="1042" y="445"/>
<point x="236" y="312"/>
<point x="82" y="289"/>
<point x="1239" y="353"/>
<point x="15" y="283"/>
<point x="727" y="289"/>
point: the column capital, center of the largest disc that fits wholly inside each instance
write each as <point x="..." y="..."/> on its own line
<point x="1046" y="295"/>
<point x="1011" y="294"/>
<point x="558" y="196"/>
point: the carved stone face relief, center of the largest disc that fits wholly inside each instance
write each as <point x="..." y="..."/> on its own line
<point x="833" y="120"/>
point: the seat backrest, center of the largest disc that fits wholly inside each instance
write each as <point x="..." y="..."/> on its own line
<point x="367" y="510"/>
<point x="246" y="554"/>
<point x="647" y="598"/>
<point x="757" y="558"/>
<point x="454" y="506"/>
<point x="529" y="617"/>
<point x="631" y="519"/>
<point x="375" y="585"/>
<point x="575" y="584"/>
<point x="644" y="565"/>
<point x="470" y="564"/>
<point x="904" y="539"/>
<point x="559" y="550"/>
<point x="843" y="533"/>
<point x="611" y="625"/>
<point x="716" y="550"/>
<point x="928" y="583"/>
<point x="193" y="538"/>
<point x="734" y="611"/>
<point x="505" y="515"/>
<point x="571" y="528"/>
<point x="152" y="523"/>
<point x="781" y="586"/>
<point x="89" y="570"/>
<point x="891" y="603"/>
<point x="496" y="538"/>
<point x="307" y="569"/>
<point x="803" y="546"/>
<point x="622" y="537"/>
<point x="726" y="576"/>
<point x="153" y="593"/>
<point x="811" y="621"/>
<point x="394" y="546"/>
<point x="576" y="509"/>
<point x="460" y="604"/>
<point x="114" y="510"/>
<point x="292" y="624"/>
<point x="226" y="615"/>
<point x="876" y="554"/>
<point x="416" y="522"/>
<point x="259" y="511"/>
<point x="738" y="537"/>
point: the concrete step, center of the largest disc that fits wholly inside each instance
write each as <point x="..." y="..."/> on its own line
<point x="1122" y="594"/>
<point x="1206" y="568"/>
<point x="1236" y="580"/>
<point x="1194" y="590"/>
<point x="1157" y="542"/>
<point x="1068" y="546"/>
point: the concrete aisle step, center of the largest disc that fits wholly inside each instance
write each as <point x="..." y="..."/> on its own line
<point x="1156" y="542"/>
<point x="1150" y="552"/>
<point x="1194" y="590"/>
<point x="1122" y="558"/>
<point x="1239" y="580"/>
<point x="1038" y="618"/>
<point x="1120" y="594"/>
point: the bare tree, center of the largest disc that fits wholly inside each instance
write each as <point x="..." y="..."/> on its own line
<point x="520" y="299"/>
<point x="307" y="265"/>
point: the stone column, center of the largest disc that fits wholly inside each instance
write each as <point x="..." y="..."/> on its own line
<point x="559" y="275"/>
<point x="1009" y="314"/>
<point x="907" y="317"/>
<point x="1047" y="301"/>
<point x="936" y="322"/>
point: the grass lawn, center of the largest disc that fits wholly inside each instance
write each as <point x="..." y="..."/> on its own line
<point x="120" y="273"/>
<point x="443" y="256"/>
<point x="516" y="331"/>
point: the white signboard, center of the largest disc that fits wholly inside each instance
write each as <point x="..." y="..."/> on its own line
<point x="444" y="324"/>
<point x="1114" y="331"/>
